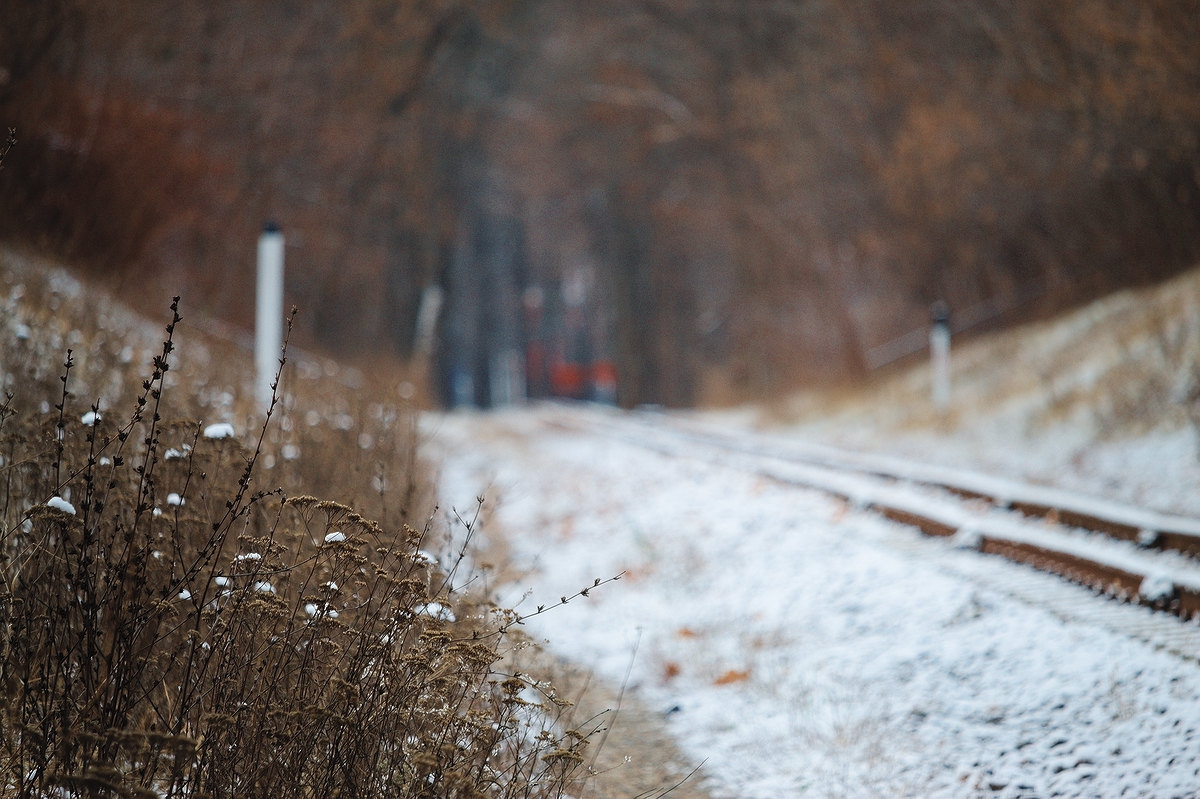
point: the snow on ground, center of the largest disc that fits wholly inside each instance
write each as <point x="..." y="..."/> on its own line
<point x="798" y="647"/>
<point x="1157" y="469"/>
<point x="1104" y="400"/>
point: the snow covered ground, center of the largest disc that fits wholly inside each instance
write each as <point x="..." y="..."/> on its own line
<point x="1104" y="400"/>
<point x="799" y="647"/>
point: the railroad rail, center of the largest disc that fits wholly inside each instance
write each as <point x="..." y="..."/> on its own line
<point x="1130" y="554"/>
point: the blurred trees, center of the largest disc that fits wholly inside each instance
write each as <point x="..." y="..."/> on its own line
<point x="724" y="198"/>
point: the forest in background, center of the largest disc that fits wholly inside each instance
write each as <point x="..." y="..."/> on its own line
<point x="720" y="199"/>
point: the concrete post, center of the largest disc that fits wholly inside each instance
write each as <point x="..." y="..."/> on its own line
<point x="507" y="378"/>
<point x="268" y="323"/>
<point x="427" y="320"/>
<point x="939" y="352"/>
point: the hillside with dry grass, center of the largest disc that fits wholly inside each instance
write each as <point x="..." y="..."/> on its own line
<point x="1122" y="366"/>
<point x="194" y="600"/>
<point x="724" y="200"/>
<point x="1104" y="398"/>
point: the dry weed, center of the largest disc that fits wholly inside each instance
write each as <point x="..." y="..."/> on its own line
<point x="179" y="620"/>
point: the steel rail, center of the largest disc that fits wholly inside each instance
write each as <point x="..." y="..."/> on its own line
<point x="1128" y="553"/>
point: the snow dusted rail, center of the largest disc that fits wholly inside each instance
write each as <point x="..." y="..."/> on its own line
<point x="1128" y="553"/>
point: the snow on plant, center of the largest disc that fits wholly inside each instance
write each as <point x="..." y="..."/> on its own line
<point x="219" y="430"/>
<point x="255" y="641"/>
<point x="60" y="504"/>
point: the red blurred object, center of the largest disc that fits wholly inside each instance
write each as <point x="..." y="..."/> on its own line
<point x="567" y="380"/>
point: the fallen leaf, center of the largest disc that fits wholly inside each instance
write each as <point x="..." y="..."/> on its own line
<point x="732" y="676"/>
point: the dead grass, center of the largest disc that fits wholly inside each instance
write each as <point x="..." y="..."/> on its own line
<point x="1123" y="364"/>
<point x="273" y="612"/>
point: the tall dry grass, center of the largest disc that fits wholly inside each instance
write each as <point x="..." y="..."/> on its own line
<point x="194" y="608"/>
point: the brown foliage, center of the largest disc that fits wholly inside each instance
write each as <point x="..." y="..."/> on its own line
<point x="767" y="192"/>
<point x="177" y="618"/>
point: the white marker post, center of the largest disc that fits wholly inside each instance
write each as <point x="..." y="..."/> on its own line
<point x="268" y="324"/>
<point x="427" y="319"/>
<point x="939" y="353"/>
<point x="507" y="378"/>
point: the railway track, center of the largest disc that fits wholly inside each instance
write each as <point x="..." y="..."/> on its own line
<point x="1146" y="561"/>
